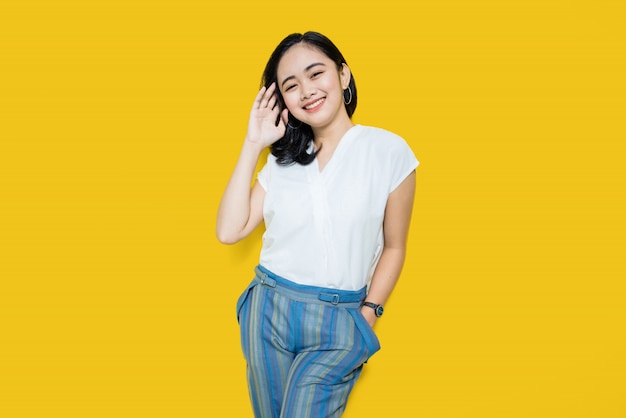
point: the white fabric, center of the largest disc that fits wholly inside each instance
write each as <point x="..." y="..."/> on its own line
<point x="325" y="228"/>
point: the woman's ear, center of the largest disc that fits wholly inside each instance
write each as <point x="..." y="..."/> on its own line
<point x="345" y="76"/>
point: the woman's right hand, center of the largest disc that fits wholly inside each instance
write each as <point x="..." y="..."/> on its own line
<point x="241" y="209"/>
<point x="262" y="128"/>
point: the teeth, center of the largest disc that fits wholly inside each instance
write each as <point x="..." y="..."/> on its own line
<point x="312" y="105"/>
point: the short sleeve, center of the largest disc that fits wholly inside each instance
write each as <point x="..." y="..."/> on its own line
<point x="403" y="162"/>
<point x="263" y="176"/>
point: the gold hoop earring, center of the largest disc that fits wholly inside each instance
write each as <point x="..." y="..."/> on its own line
<point x="344" y="96"/>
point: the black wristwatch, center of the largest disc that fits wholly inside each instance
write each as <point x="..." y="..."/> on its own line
<point x="378" y="309"/>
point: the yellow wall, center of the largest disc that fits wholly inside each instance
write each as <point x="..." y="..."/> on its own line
<point x="120" y="121"/>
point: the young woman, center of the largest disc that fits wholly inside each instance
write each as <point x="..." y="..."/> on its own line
<point x="336" y="199"/>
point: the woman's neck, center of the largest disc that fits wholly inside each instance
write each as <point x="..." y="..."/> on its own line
<point x="330" y="135"/>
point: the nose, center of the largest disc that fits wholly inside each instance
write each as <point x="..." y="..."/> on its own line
<point x="308" y="90"/>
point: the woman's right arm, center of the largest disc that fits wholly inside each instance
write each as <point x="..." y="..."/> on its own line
<point x="241" y="208"/>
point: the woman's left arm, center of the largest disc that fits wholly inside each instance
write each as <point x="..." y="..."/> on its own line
<point x="395" y="230"/>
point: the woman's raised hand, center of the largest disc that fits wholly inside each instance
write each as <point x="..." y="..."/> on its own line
<point x="262" y="127"/>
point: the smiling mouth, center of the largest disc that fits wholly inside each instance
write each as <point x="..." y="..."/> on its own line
<point x="315" y="104"/>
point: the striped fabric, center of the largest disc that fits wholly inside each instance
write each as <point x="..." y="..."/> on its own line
<point x="304" y="346"/>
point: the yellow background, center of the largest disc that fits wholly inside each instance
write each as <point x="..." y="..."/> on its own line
<point x="120" y="121"/>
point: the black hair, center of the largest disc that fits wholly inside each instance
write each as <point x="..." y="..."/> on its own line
<point x="293" y="146"/>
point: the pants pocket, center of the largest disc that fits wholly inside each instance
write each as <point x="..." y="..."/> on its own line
<point x="243" y="297"/>
<point x="366" y="331"/>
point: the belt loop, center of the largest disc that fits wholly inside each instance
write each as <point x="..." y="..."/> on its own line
<point x="266" y="280"/>
<point x="333" y="298"/>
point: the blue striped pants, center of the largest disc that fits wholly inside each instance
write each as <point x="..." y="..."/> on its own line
<point x="305" y="346"/>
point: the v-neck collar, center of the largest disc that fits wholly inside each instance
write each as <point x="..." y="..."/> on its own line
<point x="336" y="155"/>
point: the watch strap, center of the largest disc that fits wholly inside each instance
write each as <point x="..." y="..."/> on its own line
<point x="378" y="309"/>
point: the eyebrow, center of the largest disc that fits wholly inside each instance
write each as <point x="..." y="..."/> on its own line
<point x="305" y="70"/>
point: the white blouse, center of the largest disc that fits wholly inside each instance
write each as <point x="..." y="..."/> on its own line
<point x="325" y="228"/>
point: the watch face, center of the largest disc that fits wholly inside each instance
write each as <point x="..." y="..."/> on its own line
<point x="379" y="311"/>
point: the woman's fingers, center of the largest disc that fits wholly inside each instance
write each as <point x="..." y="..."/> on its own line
<point x="259" y="96"/>
<point x="285" y="116"/>
<point x="272" y="103"/>
<point x="268" y="121"/>
<point x="267" y="96"/>
<point x="271" y="89"/>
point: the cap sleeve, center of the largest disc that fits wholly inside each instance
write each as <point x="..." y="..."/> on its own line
<point x="263" y="176"/>
<point x="403" y="162"/>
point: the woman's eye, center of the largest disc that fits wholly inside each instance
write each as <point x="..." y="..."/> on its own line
<point x="290" y="87"/>
<point x="316" y="74"/>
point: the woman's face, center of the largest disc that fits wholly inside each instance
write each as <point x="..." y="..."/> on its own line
<point x="311" y="86"/>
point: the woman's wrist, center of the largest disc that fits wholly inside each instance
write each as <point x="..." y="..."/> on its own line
<point x="253" y="145"/>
